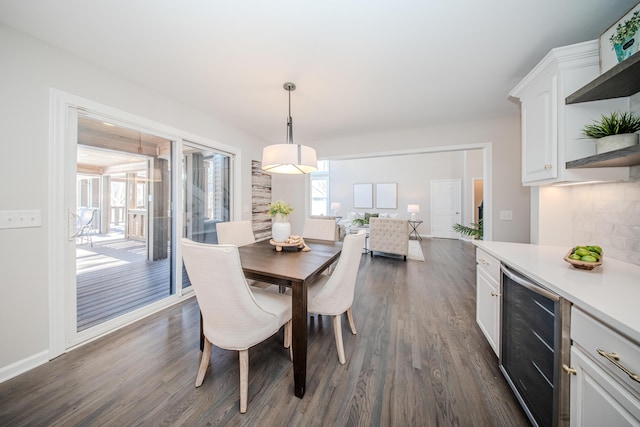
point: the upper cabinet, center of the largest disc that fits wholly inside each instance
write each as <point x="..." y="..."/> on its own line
<point x="551" y="130"/>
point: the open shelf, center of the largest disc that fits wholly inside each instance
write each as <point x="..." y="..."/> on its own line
<point x="621" y="80"/>
<point x="629" y="156"/>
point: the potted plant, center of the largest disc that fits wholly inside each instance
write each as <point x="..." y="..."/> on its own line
<point x="476" y="231"/>
<point x="624" y="40"/>
<point x="281" y="228"/>
<point x="364" y="222"/>
<point x="613" y="132"/>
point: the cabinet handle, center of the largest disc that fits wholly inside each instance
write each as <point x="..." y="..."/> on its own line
<point x="547" y="167"/>
<point x="483" y="261"/>
<point x="567" y="370"/>
<point x="495" y="294"/>
<point x="615" y="359"/>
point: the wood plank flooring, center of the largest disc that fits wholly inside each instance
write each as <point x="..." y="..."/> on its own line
<point x="115" y="278"/>
<point x="418" y="359"/>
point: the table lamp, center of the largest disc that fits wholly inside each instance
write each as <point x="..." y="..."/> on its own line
<point x="413" y="209"/>
<point x="335" y="207"/>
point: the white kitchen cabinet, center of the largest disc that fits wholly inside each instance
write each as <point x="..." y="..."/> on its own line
<point x="602" y="393"/>
<point x="488" y="298"/>
<point x="551" y="130"/>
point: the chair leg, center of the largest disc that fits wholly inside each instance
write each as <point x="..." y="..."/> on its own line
<point x="287" y="338"/>
<point x="244" y="379"/>
<point x="288" y="333"/>
<point x="337" y="331"/>
<point x="351" y="322"/>
<point x="204" y="362"/>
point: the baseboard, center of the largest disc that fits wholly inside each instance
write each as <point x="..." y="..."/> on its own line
<point x="23" y="365"/>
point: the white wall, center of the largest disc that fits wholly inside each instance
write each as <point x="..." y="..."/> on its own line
<point x="413" y="174"/>
<point x="29" y="69"/>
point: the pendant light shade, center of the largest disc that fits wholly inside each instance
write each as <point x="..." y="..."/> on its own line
<point x="289" y="158"/>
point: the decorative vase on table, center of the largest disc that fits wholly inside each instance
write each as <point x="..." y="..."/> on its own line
<point x="281" y="228"/>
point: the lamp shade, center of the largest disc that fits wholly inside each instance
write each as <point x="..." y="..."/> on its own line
<point x="412" y="209"/>
<point x="335" y="206"/>
<point x="289" y="158"/>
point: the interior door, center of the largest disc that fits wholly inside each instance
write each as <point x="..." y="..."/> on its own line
<point x="446" y="205"/>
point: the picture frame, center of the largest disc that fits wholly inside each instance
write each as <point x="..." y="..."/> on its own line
<point x="363" y="196"/>
<point x="387" y="195"/>
<point x="610" y="54"/>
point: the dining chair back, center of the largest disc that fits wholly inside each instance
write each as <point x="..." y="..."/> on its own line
<point x="334" y="295"/>
<point x="234" y="315"/>
<point x="237" y="233"/>
<point x="321" y="229"/>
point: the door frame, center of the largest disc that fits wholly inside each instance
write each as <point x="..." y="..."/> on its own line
<point x="64" y="109"/>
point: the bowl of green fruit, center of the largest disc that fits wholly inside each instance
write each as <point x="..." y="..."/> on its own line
<point x="585" y="257"/>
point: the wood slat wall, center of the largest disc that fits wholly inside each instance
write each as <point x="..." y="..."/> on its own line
<point x="419" y="359"/>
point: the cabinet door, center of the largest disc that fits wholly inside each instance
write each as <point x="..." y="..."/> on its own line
<point x="597" y="399"/>
<point x="540" y="131"/>
<point x="488" y="309"/>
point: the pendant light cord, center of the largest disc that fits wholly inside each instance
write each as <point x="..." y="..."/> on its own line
<point x="289" y="87"/>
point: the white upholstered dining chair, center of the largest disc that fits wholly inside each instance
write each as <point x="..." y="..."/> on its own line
<point x="333" y="295"/>
<point x="237" y="233"/>
<point x="321" y="229"/>
<point x="234" y="315"/>
<point x="240" y="233"/>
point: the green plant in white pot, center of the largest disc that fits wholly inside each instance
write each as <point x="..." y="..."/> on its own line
<point x="613" y="132"/>
<point x="280" y="228"/>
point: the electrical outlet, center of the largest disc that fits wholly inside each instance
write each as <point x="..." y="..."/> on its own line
<point x="506" y="215"/>
<point x="20" y="219"/>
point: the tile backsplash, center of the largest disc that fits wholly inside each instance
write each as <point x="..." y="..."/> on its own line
<point x="608" y="215"/>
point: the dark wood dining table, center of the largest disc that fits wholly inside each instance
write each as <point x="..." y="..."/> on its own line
<point x="294" y="269"/>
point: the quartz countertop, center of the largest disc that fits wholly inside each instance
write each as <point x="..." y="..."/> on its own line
<point x="610" y="292"/>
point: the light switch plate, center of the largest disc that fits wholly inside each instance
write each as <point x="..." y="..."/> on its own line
<point x="20" y="219"/>
<point x="506" y="215"/>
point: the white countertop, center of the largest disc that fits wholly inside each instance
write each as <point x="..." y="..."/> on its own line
<point x="610" y="292"/>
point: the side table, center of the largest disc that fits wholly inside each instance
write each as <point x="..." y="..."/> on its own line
<point x="414" y="232"/>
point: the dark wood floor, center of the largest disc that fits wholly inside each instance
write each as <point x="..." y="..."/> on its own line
<point x="418" y="359"/>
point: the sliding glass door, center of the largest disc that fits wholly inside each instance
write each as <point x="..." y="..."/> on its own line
<point x="206" y="193"/>
<point x="124" y="189"/>
<point x="123" y="237"/>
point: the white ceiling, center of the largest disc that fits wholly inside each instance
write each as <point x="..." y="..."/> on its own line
<point x="359" y="66"/>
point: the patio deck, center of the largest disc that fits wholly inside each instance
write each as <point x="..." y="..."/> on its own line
<point x="114" y="277"/>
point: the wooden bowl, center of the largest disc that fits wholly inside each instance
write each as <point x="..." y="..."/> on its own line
<point x="582" y="265"/>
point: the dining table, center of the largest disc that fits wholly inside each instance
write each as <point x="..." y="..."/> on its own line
<point x="295" y="269"/>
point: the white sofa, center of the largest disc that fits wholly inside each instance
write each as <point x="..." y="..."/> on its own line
<point x="389" y="235"/>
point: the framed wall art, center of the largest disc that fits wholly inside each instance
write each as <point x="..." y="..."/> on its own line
<point x="621" y="40"/>
<point x="362" y="196"/>
<point x="387" y="195"/>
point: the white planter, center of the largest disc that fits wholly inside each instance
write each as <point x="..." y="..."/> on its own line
<point x="616" y="142"/>
<point x="281" y="228"/>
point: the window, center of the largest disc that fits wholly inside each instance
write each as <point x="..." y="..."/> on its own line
<point x="320" y="189"/>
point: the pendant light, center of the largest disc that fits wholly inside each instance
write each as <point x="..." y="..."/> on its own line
<point x="289" y="158"/>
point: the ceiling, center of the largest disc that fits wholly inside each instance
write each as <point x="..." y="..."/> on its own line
<point x="360" y="66"/>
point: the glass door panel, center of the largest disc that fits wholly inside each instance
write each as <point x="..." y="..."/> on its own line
<point x="206" y="194"/>
<point x="123" y="253"/>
